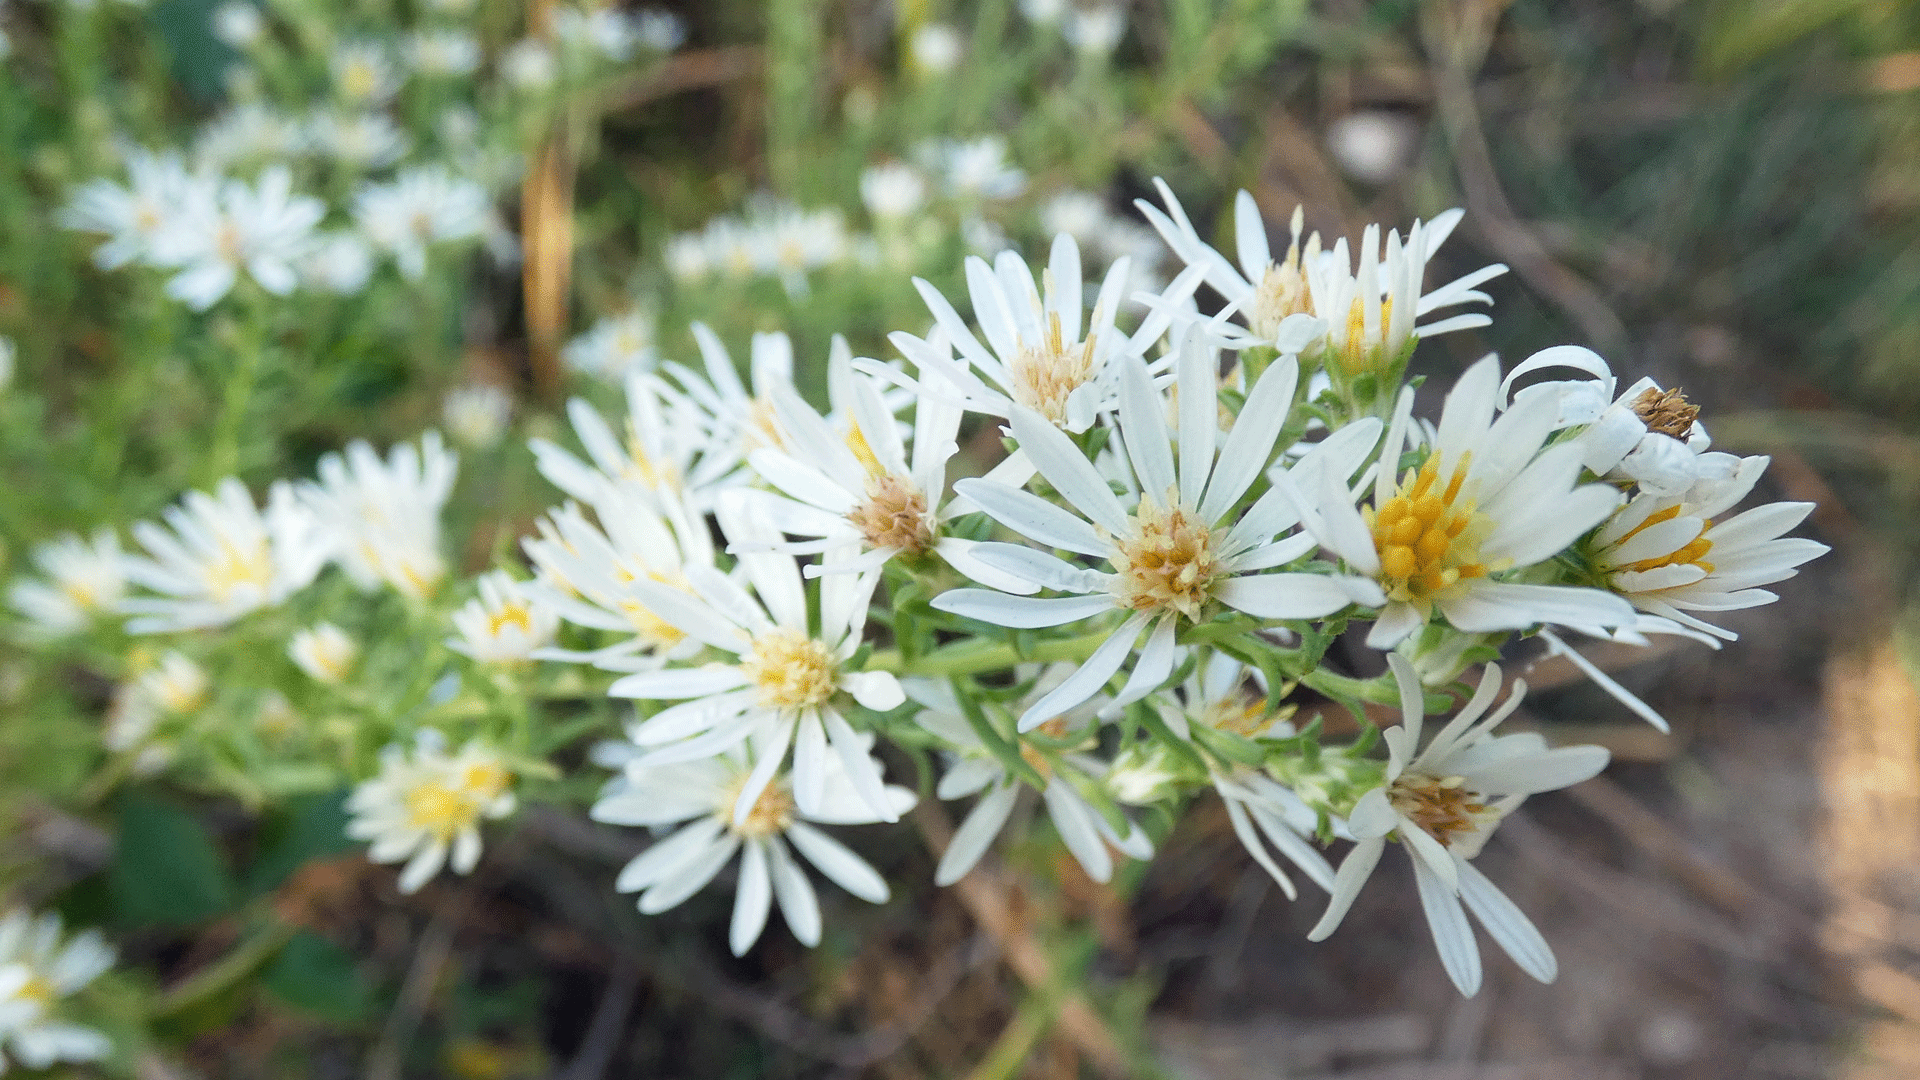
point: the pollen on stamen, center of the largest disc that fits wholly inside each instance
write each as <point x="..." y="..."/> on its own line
<point x="1442" y="807"/>
<point x="1168" y="562"/>
<point x="894" y="515"/>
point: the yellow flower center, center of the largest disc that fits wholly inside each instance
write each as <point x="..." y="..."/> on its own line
<point x="1242" y="714"/>
<point x="1441" y="806"/>
<point x="772" y="812"/>
<point x="790" y="669"/>
<point x="1360" y="354"/>
<point x="235" y="566"/>
<point x="358" y="79"/>
<point x="1168" y="562"/>
<point x="1428" y="534"/>
<point x="38" y="989"/>
<point x="1694" y="551"/>
<point x="81" y="593"/>
<point x="512" y="613"/>
<point x="485" y="780"/>
<point x="1280" y="292"/>
<point x="894" y="515"/>
<point x="439" y="809"/>
<point x="1667" y="412"/>
<point x="1044" y="375"/>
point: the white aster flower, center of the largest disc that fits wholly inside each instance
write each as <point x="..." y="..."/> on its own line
<point x="1487" y="503"/>
<point x="364" y="73"/>
<point x="893" y="191"/>
<point x="1645" y="435"/>
<point x="220" y="558"/>
<point x="177" y="685"/>
<point x="426" y="806"/>
<point x="1262" y="812"/>
<point x="36" y="971"/>
<point x="936" y="48"/>
<point x="1178" y="551"/>
<point x="83" y="579"/>
<point x="1043" y="12"/>
<point x="661" y="31"/>
<point x="669" y="446"/>
<point x="133" y="217"/>
<point x="506" y="624"/>
<point x="1058" y="759"/>
<point x="529" y="64"/>
<point x="338" y="262"/>
<point x="858" y="489"/>
<point x="385" y="516"/>
<point x="238" y="24"/>
<point x="707" y="795"/>
<point x="443" y="52"/>
<point x="1443" y="803"/>
<point x="325" y="652"/>
<point x="1095" y="31"/>
<point x="743" y="416"/>
<point x="973" y="168"/>
<point x="689" y="257"/>
<point x="261" y="229"/>
<point x="615" y="345"/>
<point x="1039" y="359"/>
<point x="360" y="139"/>
<point x="421" y="207"/>
<point x="586" y="573"/>
<point x="477" y="415"/>
<point x="1667" y="556"/>
<point x="784" y="680"/>
<point x="1370" y="313"/>
<point x="249" y="131"/>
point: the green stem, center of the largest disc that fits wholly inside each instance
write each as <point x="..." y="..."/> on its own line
<point x="974" y="657"/>
<point x="210" y="982"/>
<point x="225" y="459"/>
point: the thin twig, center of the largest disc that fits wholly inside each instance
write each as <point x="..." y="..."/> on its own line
<point x="429" y="959"/>
<point x="609" y="1019"/>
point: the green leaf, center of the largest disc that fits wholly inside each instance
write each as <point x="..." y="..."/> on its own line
<point x="312" y="828"/>
<point x="314" y="974"/>
<point x="166" y="870"/>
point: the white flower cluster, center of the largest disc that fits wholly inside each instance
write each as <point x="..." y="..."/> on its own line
<point x="36" y="971"/>
<point x="1113" y="613"/>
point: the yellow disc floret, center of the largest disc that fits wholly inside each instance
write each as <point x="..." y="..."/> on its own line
<point x="772" y="812"/>
<point x="894" y="515"/>
<point x="1168" y="562"/>
<point x="1429" y="533"/>
<point x="1441" y="806"/>
<point x="1694" y="551"/>
<point x="790" y="670"/>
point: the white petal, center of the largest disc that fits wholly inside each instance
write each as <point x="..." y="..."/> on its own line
<point x="834" y="859"/>
<point x="958" y="554"/>
<point x="676" y="683"/>
<point x="1550" y="771"/>
<point x="1354" y="871"/>
<point x="1033" y="517"/>
<point x="1023" y="612"/>
<point x="975" y="834"/>
<point x="798" y="903"/>
<point x="1073" y="820"/>
<point x="1085" y="682"/>
<point x="1068" y="470"/>
<point x="1250" y="443"/>
<point x="1507" y="925"/>
<point x="877" y="690"/>
<point x="1459" y="952"/>
<point x="752" y="898"/>
<point x="689" y="878"/>
<point x="1283" y="596"/>
<point x="1142" y="420"/>
<point x="1480" y="606"/>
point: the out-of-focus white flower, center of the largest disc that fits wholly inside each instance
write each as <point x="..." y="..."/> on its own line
<point x="616" y="35"/>
<point x="452" y="7"/>
<point x="420" y="207"/>
<point x="82" y="580"/>
<point x="385" y="516"/>
<point x="1095" y="31"/>
<point x="614" y="346"/>
<point x="937" y="48"/>
<point x="443" y="52"/>
<point x="707" y="794"/>
<point x="662" y="31"/>
<point x="688" y="257"/>
<point x="973" y="169"/>
<point x="458" y="126"/>
<point x="364" y="73"/>
<point x="36" y="971"/>
<point x="220" y="558"/>
<point x="425" y="807"/>
<point x="238" y="24"/>
<point x="337" y="262"/>
<point x="529" y="64"/>
<point x="8" y="353"/>
<point x="1371" y="145"/>
<point x="506" y="624"/>
<point x="1044" y="12"/>
<point x="782" y="686"/>
<point x="1180" y="550"/>
<point x="1443" y="803"/>
<point x="1490" y="498"/>
<point x="476" y="416"/>
<point x="134" y="215"/>
<point x="668" y="447"/>
<point x="1059" y="760"/>
<point x="893" y="191"/>
<point x="261" y="229"/>
<point x="177" y="685"/>
<point x="248" y="131"/>
<point x="325" y="652"/>
<point x="363" y="140"/>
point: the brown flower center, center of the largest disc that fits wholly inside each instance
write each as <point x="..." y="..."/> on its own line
<point x="772" y="812"/>
<point x="894" y="515"/>
<point x="1441" y="806"/>
<point x="1666" y="411"/>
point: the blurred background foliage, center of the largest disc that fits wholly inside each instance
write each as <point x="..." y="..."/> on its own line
<point x="1723" y="194"/>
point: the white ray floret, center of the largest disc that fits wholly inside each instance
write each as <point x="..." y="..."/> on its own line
<point x="1443" y="803"/>
<point x="669" y="447"/>
<point x="38" y="970"/>
<point x="702" y="797"/>
<point x="419" y="208"/>
<point x="325" y="652"/>
<point x="507" y="623"/>
<point x="220" y="558"/>
<point x="425" y="806"/>
<point x="782" y="680"/>
<point x="133" y="216"/>
<point x="385" y="515"/>
<point x="1180" y="549"/>
<point x="1087" y="833"/>
<point x="586" y="573"/>
<point x="1488" y="501"/>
